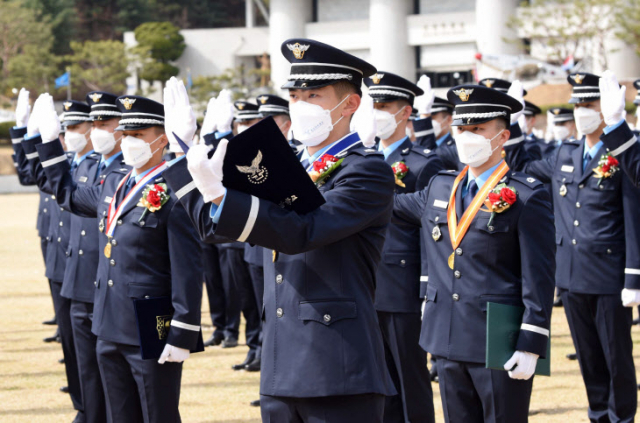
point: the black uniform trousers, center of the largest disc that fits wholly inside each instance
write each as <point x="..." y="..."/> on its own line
<point x="43" y="247"/>
<point x="472" y="393"/>
<point x="232" y="303"/>
<point x="236" y="275"/>
<point x="335" y="409"/>
<point x="62" y="307"/>
<point x="257" y="280"/>
<point x="407" y="364"/>
<point x="85" y="341"/>
<point x="215" y="289"/>
<point x="601" y="331"/>
<point x="137" y="390"/>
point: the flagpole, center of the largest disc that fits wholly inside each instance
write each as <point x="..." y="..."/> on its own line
<point x="69" y="83"/>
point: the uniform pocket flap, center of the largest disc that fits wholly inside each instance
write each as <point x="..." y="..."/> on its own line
<point x="401" y="259"/>
<point x="438" y="216"/>
<point x="327" y="312"/>
<point x="496" y="226"/>
<point x="514" y="300"/>
<point x="141" y="290"/>
<point x="148" y="221"/>
<point x="431" y="292"/>
<point x="605" y="247"/>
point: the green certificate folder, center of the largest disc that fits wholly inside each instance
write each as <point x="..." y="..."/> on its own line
<point x="503" y="327"/>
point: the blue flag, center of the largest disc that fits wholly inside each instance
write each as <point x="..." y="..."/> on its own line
<point x="189" y="80"/>
<point x="62" y="80"/>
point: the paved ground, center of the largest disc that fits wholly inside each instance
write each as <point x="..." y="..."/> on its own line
<point x="30" y="375"/>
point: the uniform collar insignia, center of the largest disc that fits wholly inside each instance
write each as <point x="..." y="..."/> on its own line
<point x="298" y="49"/>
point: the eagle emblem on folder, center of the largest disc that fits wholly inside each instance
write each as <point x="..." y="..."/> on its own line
<point x="256" y="173"/>
<point x="463" y="94"/>
<point x="162" y="326"/>
<point x="127" y="102"/>
<point x="298" y="49"/>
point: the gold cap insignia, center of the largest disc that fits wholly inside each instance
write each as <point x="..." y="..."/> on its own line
<point x="240" y="106"/>
<point x="67" y="105"/>
<point x="377" y="77"/>
<point x="298" y="49"/>
<point x="489" y="83"/>
<point x="556" y="111"/>
<point x="463" y="94"/>
<point x="127" y="102"/>
<point x="578" y="78"/>
<point x="96" y="97"/>
<point x="162" y="326"/>
<point x="263" y="99"/>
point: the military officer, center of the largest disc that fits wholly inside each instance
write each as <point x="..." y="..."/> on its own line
<point x="622" y="142"/>
<point x="143" y="253"/>
<point x="323" y="354"/>
<point x="76" y="114"/>
<point x="397" y="296"/>
<point x="597" y="237"/>
<point x="507" y="259"/>
<point x="564" y="130"/>
<point x="528" y="123"/>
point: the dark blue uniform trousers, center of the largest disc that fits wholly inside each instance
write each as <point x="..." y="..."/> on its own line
<point x="62" y="306"/>
<point x="407" y="363"/>
<point x="215" y="289"/>
<point x="235" y="269"/>
<point x="232" y="303"/>
<point x="90" y="381"/>
<point x="137" y="390"/>
<point x="601" y="331"/>
<point x="257" y="280"/>
<point x="335" y="409"/>
<point x="472" y="393"/>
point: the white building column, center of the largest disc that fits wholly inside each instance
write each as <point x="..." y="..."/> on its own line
<point x="287" y="19"/>
<point x="621" y="59"/>
<point x="491" y="26"/>
<point x="390" y="49"/>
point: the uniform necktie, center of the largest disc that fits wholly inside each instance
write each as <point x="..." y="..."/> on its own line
<point x="305" y="163"/>
<point x="74" y="166"/>
<point x="585" y="161"/>
<point x="471" y="193"/>
<point x="128" y="185"/>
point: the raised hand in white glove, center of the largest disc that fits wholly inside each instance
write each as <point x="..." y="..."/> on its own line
<point x="34" y="120"/>
<point x="525" y="363"/>
<point x="630" y="297"/>
<point x="364" y="122"/>
<point x="223" y="115"/>
<point x="517" y="92"/>
<point x="209" y="123"/>
<point x="173" y="354"/>
<point x="425" y="101"/>
<point x="23" y="109"/>
<point x="612" y="98"/>
<point x="178" y="115"/>
<point x="49" y="122"/>
<point x="207" y="172"/>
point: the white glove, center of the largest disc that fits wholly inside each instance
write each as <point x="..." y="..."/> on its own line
<point x="223" y="115"/>
<point x="23" y="109"/>
<point x="425" y="101"/>
<point x="522" y="121"/>
<point x="34" y="119"/>
<point x="517" y="92"/>
<point x="364" y="122"/>
<point x="630" y="297"/>
<point x="525" y="363"/>
<point x="49" y="123"/>
<point x="612" y="98"/>
<point x="173" y="354"/>
<point x="207" y="173"/>
<point x="209" y="124"/>
<point x="178" y="115"/>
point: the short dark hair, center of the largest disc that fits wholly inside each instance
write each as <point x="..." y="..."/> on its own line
<point x="502" y="123"/>
<point x="343" y="88"/>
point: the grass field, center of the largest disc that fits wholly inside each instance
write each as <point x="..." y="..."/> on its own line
<point x="211" y="392"/>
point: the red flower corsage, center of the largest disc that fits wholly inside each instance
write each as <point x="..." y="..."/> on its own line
<point x="500" y="199"/>
<point x="323" y="167"/>
<point x="400" y="170"/>
<point x="607" y="167"/>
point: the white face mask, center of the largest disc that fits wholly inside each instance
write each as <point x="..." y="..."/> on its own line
<point x="76" y="141"/>
<point x="310" y="123"/>
<point x="385" y="123"/>
<point x="242" y="128"/>
<point x="437" y="128"/>
<point x="560" y="133"/>
<point x="103" y="141"/>
<point x="587" y="120"/>
<point x="136" y="152"/>
<point x="474" y="149"/>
